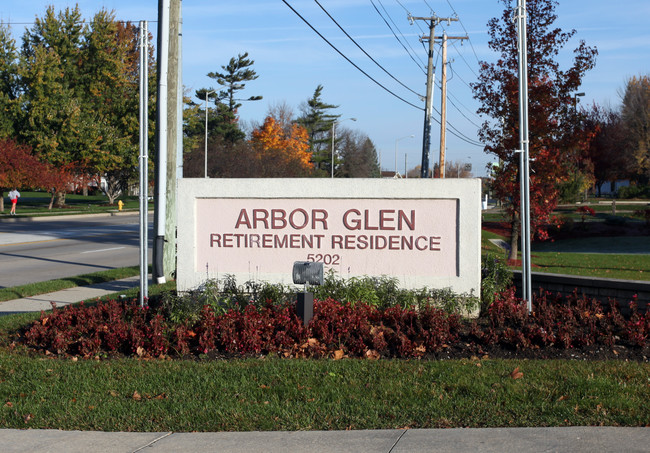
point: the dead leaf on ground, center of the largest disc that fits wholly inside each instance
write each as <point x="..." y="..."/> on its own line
<point x="371" y="354"/>
<point x="9" y="404"/>
<point x="516" y="374"/>
<point x="139" y="351"/>
<point x="563" y="398"/>
<point x="338" y="354"/>
<point x="137" y="396"/>
<point x="113" y="393"/>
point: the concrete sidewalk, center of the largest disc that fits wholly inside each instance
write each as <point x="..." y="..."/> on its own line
<point x="502" y="440"/>
<point x="67" y="296"/>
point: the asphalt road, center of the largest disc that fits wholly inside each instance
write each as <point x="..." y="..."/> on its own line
<point x="34" y="251"/>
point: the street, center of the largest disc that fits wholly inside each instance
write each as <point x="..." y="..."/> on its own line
<point x="35" y="251"/>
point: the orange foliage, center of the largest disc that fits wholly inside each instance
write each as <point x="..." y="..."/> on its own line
<point x="282" y="152"/>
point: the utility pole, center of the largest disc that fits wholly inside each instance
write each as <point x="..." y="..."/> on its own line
<point x="161" y="141"/>
<point x="426" y="140"/>
<point x="443" y="101"/>
<point x="164" y="248"/>
<point x="173" y="131"/>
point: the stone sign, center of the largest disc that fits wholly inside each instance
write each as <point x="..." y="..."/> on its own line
<point x="423" y="232"/>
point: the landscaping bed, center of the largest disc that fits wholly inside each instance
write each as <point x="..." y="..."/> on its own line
<point x="577" y="328"/>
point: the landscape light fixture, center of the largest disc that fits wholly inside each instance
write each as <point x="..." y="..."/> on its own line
<point x="306" y="273"/>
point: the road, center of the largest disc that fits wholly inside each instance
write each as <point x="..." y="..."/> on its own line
<point x="39" y="250"/>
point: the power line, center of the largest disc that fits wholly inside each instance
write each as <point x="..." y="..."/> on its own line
<point x="463" y="25"/>
<point x="421" y="64"/>
<point x="346" y="58"/>
<point x="463" y="58"/>
<point x="368" y="55"/>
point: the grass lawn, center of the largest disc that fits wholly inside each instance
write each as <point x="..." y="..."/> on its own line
<point x="32" y="289"/>
<point x="36" y="203"/>
<point x="291" y="394"/>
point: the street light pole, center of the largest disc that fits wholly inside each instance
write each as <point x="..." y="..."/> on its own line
<point x="207" y="94"/>
<point x="575" y="102"/>
<point x="334" y="138"/>
<point x="396" y="141"/>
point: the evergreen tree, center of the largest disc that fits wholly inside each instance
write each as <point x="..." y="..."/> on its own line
<point x="358" y="155"/>
<point x="318" y="122"/>
<point x="9" y="106"/>
<point x="222" y="119"/>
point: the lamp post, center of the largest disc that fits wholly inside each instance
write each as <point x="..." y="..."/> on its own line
<point x="207" y="94"/>
<point x="334" y="138"/>
<point x="575" y="102"/>
<point x="396" y="141"/>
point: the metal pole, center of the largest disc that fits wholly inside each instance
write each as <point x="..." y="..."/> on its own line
<point x="205" y="160"/>
<point x="144" y="161"/>
<point x="396" y="141"/>
<point x="333" y="138"/>
<point x="524" y="158"/>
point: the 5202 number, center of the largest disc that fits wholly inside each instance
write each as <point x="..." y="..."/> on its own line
<point x="325" y="259"/>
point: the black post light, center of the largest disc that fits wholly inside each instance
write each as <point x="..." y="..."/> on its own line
<point x="306" y="273"/>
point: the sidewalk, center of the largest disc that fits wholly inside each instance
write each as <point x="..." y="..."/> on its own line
<point x="67" y="296"/>
<point x="502" y="440"/>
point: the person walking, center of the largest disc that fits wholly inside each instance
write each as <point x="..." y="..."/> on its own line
<point x="13" y="196"/>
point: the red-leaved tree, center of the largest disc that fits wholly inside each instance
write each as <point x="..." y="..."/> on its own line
<point x="19" y="168"/>
<point x="553" y="123"/>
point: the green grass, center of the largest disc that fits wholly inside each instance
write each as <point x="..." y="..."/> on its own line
<point x="32" y="289"/>
<point x="36" y="204"/>
<point x="625" y="267"/>
<point x="277" y="394"/>
<point x="553" y="257"/>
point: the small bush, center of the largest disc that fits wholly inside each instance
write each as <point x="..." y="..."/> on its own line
<point x="637" y="191"/>
<point x="496" y="277"/>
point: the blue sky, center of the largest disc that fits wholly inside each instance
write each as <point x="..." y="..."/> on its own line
<point x="291" y="59"/>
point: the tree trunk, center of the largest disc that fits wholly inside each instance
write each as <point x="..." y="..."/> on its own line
<point x="51" y="200"/>
<point x="514" y="238"/>
<point x="2" y="201"/>
<point x="60" y="199"/>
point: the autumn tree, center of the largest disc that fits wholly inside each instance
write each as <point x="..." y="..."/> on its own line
<point x="607" y="150"/>
<point x="636" y="116"/>
<point x="50" y="81"/>
<point x="80" y="101"/>
<point x="552" y="122"/>
<point x="110" y="78"/>
<point x="282" y="153"/>
<point x="318" y="121"/>
<point x="20" y="168"/>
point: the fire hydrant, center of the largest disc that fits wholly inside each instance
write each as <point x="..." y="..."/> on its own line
<point x="120" y="203"/>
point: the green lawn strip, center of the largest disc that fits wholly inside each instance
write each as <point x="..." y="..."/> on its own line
<point x="625" y="267"/>
<point x="293" y="394"/>
<point x="33" y="289"/>
<point x="36" y="204"/>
